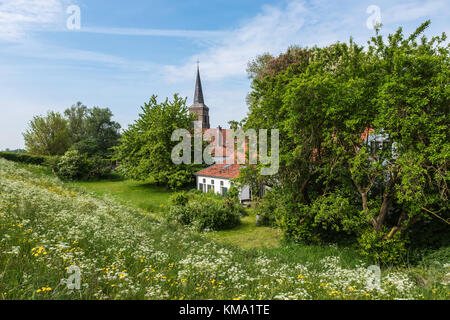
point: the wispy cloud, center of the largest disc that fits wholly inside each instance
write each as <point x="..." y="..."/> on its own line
<point x="155" y="32"/>
<point x="413" y="10"/>
<point x="272" y="30"/>
<point x="67" y="56"/>
<point x="20" y="17"/>
<point x="301" y="22"/>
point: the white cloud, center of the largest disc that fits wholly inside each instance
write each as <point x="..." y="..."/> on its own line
<point x="413" y="10"/>
<point x="155" y="32"/>
<point x="20" y="17"/>
<point x="272" y="30"/>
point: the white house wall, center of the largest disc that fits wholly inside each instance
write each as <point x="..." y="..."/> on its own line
<point x="244" y="194"/>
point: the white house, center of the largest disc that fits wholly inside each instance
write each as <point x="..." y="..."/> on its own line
<point x="217" y="178"/>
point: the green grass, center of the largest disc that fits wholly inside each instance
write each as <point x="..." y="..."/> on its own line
<point x="142" y="195"/>
<point x="248" y="235"/>
<point x="153" y="198"/>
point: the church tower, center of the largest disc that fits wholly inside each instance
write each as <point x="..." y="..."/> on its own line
<point x="199" y="108"/>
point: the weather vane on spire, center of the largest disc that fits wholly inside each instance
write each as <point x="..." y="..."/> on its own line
<point x="198" y="62"/>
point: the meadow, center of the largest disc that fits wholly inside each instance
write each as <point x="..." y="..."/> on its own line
<point x="153" y="199"/>
<point x="125" y="252"/>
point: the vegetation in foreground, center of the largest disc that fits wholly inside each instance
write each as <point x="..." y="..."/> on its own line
<point x="123" y="253"/>
<point x="155" y="199"/>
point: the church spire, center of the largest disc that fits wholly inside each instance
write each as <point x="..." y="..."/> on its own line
<point x="199" y="108"/>
<point x="198" y="93"/>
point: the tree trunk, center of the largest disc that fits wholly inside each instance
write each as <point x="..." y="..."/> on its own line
<point x="383" y="211"/>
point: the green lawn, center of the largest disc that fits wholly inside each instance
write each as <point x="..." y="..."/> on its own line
<point x="138" y="194"/>
<point x="248" y="235"/>
<point x="152" y="198"/>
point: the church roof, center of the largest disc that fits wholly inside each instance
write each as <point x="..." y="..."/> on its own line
<point x="198" y="93"/>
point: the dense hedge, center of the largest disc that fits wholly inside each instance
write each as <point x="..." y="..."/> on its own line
<point x="23" y="158"/>
<point x="71" y="166"/>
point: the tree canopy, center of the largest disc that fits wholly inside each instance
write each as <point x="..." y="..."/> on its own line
<point x="47" y="135"/>
<point x="144" y="152"/>
<point x="90" y="131"/>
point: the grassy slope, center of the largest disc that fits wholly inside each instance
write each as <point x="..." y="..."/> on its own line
<point x="123" y="253"/>
<point x="152" y="199"/>
<point x="142" y="195"/>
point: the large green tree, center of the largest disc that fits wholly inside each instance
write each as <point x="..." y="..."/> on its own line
<point x="92" y="130"/>
<point x="363" y="137"/>
<point x="47" y="135"/>
<point x="144" y="152"/>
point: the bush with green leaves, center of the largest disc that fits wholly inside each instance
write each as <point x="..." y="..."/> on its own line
<point x="267" y="208"/>
<point x="72" y="166"/>
<point x="379" y="250"/>
<point x="76" y="166"/>
<point x="204" y="212"/>
<point x="98" y="167"/>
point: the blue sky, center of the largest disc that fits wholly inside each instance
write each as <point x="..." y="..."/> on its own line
<point x="125" y="51"/>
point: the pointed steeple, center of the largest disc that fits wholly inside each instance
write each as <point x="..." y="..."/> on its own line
<point x="199" y="108"/>
<point x="198" y="93"/>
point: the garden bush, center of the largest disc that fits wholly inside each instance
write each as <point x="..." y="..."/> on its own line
<point x="98" y="167"/>
<point x="204" y="212"/>
<point x="388" y="251"/>
<point x="267" y="208"/>
<point x="72" y="166"/>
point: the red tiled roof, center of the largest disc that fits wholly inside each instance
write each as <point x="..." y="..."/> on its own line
<point x="222" y="170"/>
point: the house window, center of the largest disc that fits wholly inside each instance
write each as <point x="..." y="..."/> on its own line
<point x="210" y="187"/>
<point x="200" y="186"/>
<point x="212" y="182"/>
<point x="221" y="183"/>
<point x="224" y="191"/>
<point x="204" y="180"/>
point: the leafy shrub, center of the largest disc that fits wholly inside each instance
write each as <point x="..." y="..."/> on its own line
<point x="98" y="167"/>
<point x="75" y="166"/>
<point x="204" y="211"/>
<point x="52" y="162"/>
<point x="266" y="209"/>
<point x="23" y="158"/>
<point x="72" y="166"/>
<point x="441" y="256"/>
<point x="390" y="251"/>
